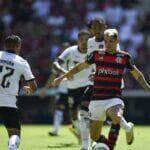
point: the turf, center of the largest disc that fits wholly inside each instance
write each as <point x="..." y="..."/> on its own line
<point x="36" y="138"/>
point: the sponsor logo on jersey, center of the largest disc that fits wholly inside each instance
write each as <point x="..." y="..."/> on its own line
<point x="108" y="71"/>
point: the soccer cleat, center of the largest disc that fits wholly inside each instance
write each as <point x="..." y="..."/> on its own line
<point x="53" y="133"/>
<point x="77" y="135"/>
<point x="130" y="135"/>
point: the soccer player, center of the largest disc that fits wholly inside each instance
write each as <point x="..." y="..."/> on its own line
<point x="106" y="97"/>
<point x="78" y="84"/>
<point x="61" y="98"/>
<point x="97" y="27"/>
<point x="12" y="68"/>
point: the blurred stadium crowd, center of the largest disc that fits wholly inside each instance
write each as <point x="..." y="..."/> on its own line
<point x="45" y="24"/>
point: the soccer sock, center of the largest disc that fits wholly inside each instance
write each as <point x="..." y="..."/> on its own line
<point x="124" y="124"/>
<point x="58" y="118"/>
<point x="13" y="143"/>
<point x="84" y="126"/>
<point x="103" y="139"/>
<point x="113" y="135"/>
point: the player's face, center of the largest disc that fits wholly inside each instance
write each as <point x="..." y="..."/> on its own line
<point x="111" y="42"/>
<point x="97" y="29"/>
<point x="82" y="42"/>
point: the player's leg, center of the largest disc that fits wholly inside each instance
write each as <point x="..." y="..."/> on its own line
<point x="84" y="126"/>
<point x="116" y="115"/>
<point x="11" y="120"/>
<point x="73" y="112"/>
<point x="58" y="118"/>
<point x="58" y="114"/>
<point x="84" y="121"/>
<point x="95" y="129"/>
<point x="98" y="116"/>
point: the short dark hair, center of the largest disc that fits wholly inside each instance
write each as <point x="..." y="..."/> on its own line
<point x="83" y="31"/>
<point x="11" y="41"/>
<point x="99" y="20"/>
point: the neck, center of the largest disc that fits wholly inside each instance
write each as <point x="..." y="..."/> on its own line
<point x="10" y="51"/>
<point x="82" y="49"/>
<point x="99" y="39"/>
<point x="111" y="50"/>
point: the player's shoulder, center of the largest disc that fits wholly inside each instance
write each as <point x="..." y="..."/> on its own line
<point x="99" y="52"/>
<point x="20" y="60"/>
<point x="123" y="53"/>
<point x="71" y="49"/>
<point x="91" y="39"/>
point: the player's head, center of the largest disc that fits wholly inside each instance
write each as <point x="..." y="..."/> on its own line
<point x="83" y="37"/>
<point x="111" y="39"/>
<point x="13" y="42"/>
<point x="65" y="45"/>
<point x="97" y="27"/>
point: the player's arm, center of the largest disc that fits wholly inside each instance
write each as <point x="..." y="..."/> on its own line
<point x="138" y="75"/>
<point x="42" y="93"/>
<point x="79" y="67"/>
<point x="58" y="66"/>
<point x="63" y="58"/>
<point x="31" y="85"/>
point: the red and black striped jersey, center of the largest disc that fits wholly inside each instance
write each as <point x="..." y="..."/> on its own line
<point x="109" y="73"/>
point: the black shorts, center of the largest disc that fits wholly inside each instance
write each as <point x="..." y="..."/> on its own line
<point x="76" y="97"/>
<point x="10" y="117"/>
<point x="88" y="93"/>
<point x="62" y="101"/>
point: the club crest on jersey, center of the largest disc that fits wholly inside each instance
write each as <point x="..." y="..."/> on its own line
<point x="118" y="59"/>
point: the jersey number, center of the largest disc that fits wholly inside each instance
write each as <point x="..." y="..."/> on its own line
<point x="5" y="83"/>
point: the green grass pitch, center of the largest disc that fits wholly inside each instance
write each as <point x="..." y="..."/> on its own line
<point x="35" y="137"/>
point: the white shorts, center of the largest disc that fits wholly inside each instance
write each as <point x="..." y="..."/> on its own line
<point x="98" y="108"/>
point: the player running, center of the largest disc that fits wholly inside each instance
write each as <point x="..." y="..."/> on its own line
<point x="78" y="84"/>
<point x="97" y="27"/>
<point x="12" y="68"/>
<point x="106" y="97"/>
<point x="61" y="98"/>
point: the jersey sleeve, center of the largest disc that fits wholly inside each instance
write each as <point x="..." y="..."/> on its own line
<point x="118" y="47"/>
<point x="65" y="55"/>
<point x="90" y="58"/>
<point x="130" y="62"/>
<point x="26" y="72"/>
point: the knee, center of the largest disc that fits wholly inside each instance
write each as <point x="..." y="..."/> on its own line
<point x="116" y="119"/>
<point x="94" y="137"/>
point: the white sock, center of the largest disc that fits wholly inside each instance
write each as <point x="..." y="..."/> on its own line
<point x="84" y="126"/>
<point x="58" y="118"/>
<point x="13" y="143"/>
<point x="124" y="124"/>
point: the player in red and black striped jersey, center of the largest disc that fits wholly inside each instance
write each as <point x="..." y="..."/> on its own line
<point x="109" y="73"/>
<point x="106" y="97"/>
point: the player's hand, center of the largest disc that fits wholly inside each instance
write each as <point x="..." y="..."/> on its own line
<point x="57" y="81"/>
<point x="27" y="90"/>
<point x="42" y="93"/>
